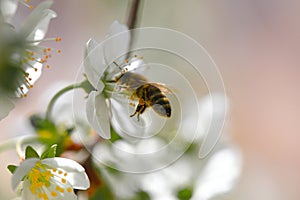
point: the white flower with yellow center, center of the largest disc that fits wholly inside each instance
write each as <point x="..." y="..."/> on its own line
<point x="95" y="65"/>
<point x="21" y="55"/>
<point x="51" y="178"/>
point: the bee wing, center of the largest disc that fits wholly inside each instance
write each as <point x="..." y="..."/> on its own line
<point x="162" y="110"/>
<point x="131" y="80"/>
<point x="164" y="88"/>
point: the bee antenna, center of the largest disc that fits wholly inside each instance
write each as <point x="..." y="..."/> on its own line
<point x="117" y="65"/>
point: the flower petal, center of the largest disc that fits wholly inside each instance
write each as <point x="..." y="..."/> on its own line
<point x="220" y="174"/>
<point x="22" y="170"/>
<point x="26" y="192"/>
<point x="76" y="173"/>
<point x="98" y="114"/>
<point x="8" y="9"/>
<point x="36" y="24"/>
<point x="117" y="43"/>
<point x="6" y="106"/>
<point x="59" y="195"/>
<point x="94" y="63"/>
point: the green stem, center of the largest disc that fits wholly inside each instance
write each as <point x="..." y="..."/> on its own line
<point x="61" y="92"/>
<point x="15" y="143"/>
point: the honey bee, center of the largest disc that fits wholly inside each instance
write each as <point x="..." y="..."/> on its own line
<point x="151" y="95"/>
<point x="148" y="94"/>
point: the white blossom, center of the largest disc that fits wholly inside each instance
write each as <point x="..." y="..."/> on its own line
<point x="51" y="178"/>
<point x="20" y="50"/>
<point x="95" y="64"/>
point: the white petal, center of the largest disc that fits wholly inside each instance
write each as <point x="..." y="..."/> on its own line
<point x="63" y="163"/>
<point x="36" y="24"/>
<point x="94" y="63"/>
<point x="41" y="28"/>
<point x="76" y="173"/>
<point x="6" y="106"/>
<point x="220" y="174"/>
<point x="215" y="106"/>
<point x="98" y="114"/>
<point x="60" y="196"/>
<point x="8" y="9"/>
<point x="22" y="170"/>
<point x="117" y="42"/>
<point x="26" y="192"/>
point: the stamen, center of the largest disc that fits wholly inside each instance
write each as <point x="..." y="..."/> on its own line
<point x="63" y="180"/>
<point x="25" y="3"/>
<point x="58" y="39"/>
<point x="53" y="193"/>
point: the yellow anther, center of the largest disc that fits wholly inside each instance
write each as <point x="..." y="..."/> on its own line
<point x="63" y="180"/>
<point x="69" y="189"/>
<point x="53" y="193"/>
<point x="58" y="39"/>
<point x="58" y="51"/>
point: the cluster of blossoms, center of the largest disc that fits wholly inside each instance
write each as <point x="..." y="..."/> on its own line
<point x="49" y="177"/>
<point x="21" y="55"/>
<point x="22" y="58"/>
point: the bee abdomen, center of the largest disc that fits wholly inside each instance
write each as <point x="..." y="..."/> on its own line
<point x="161" y="104"/>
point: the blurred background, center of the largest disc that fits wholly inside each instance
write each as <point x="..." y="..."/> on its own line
<point x="255" y="44"/>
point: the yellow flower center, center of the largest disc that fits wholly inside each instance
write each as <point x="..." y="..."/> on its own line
<point x="41" y="177"/>
<point x="37" y="54"/>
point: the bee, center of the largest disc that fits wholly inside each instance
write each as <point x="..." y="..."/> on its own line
<point x="146" y="93"/>
<point x="151" y="95"/>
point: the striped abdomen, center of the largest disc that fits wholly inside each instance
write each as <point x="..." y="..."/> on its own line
<point x="154" y="97"/>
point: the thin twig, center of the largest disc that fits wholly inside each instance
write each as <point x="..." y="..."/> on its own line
<point x="133" y="14"/>
<point x="133" y="18"/>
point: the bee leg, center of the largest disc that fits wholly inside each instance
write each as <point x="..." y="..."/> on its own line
<point x="139" y="110"/>
<point x="136" y="112"/>
<point x="133" y="114"/>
